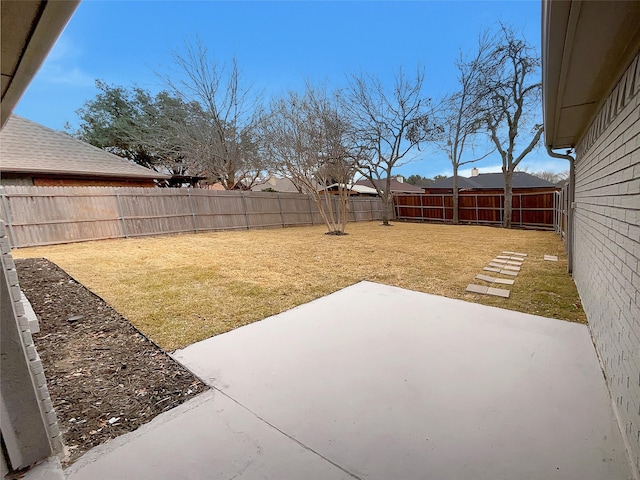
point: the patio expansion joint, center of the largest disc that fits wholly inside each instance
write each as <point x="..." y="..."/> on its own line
<point x="290" y="437"/>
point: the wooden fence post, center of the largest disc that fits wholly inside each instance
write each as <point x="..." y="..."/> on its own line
<point x="120" y="211"/>
<point x="476" y="199"/>
<point x="280" y="207"/>
<point x="244" y="205"/>
<point x="310" y="209"/>
<point x="520" y="197"/>
<point x="193" y="213"/>
<point x="8" y="222"/>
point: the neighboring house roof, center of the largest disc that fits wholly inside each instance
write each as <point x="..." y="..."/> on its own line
<point x="396" y="186"/>
<point x="362" y="189"/>
<point x="284" y="185"/>
<point x="28" y="147"/>
<point x="486" y="181"/>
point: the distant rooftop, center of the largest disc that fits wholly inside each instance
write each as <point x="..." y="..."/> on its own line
<point x="396" y="186"/>
<point x="492" y="181"/>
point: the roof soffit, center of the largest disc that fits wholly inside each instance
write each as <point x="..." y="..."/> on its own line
<point x="586" y="47"/>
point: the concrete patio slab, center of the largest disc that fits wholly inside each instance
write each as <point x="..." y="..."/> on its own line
<point x="209" y="437"/>
<point x="388" y="383"/>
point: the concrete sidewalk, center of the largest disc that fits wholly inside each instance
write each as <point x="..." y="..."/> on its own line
<point x="377" y="382"/>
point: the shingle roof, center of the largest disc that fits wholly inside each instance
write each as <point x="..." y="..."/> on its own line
<point x="396" y="186"/>
<point x="28" y="147"/>
<point x="283" y="185"/>
<point x="493" y="180"/>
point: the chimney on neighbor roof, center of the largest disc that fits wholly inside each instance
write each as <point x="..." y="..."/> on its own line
<point x="399" y="178"/>
<point x="474" y="172"/>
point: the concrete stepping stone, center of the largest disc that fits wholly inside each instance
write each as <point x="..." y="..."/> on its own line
<point x="496" y="265"/>
<point x="504" y="257"/>
<point x="511" y="267"/>
<point x="498" y="292"/>
<point x="551" y="258"/>
<point x="515" y="253"/>
<point x="484" y="290"/>
<point x="500" y="260"/>
<point x="509" y="272"/>
<point x="491" y="269"/>
<point x="486" y="278"/>
<point x="473" y="288"/>
<point x="512" y="262"/>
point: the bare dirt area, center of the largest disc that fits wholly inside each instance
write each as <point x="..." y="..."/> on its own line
<point x="105" y="378"/>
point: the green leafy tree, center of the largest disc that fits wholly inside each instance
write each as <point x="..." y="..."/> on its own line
<point x="135" y="125"/>
<point x="419" y="181"/>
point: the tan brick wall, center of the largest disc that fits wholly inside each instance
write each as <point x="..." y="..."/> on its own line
<point x="607" y="244"/>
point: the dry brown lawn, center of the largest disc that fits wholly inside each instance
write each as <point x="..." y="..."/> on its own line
<point x="184" y="288"/>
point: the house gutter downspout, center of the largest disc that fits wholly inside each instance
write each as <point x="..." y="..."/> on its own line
<point x="569" y="233"/>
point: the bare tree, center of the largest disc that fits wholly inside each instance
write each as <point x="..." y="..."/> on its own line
<point x="387" y="126"/>
<point x="305" y="137"/>
<point x="462" y="116"/>
<point x="222" y="140"/>
<point x="512" y="94"/>
<point x="552" y="177"/>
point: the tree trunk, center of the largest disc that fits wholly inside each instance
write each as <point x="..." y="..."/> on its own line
<point x="387" y="202"/>
<point x="508" y="199"/>
<point x="385" y="212"/>
<point x="456" y="198"/>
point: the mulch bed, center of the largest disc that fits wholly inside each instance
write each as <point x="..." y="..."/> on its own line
<point x="105" y="378"/>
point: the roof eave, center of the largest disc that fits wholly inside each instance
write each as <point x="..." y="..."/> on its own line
<point x="68" y="173"/>
<point x="48" y="20"/>
<point x="585" y="47"/>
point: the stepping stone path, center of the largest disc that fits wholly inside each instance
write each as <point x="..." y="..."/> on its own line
<point x="498" y="292"/>
<point x="487" y="278"/>
<point x="508" y="263"/>
<point x="551" y="258"/>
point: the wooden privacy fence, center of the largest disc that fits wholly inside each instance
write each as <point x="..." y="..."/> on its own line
<point x="562" y="211"/>
<point x="51" y="215"/>
<point x="533" y="210"/>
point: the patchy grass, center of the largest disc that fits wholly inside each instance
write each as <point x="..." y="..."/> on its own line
<point x="184" y="288"/>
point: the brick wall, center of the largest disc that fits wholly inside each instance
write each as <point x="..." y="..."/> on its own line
<point x="607" y="244"/>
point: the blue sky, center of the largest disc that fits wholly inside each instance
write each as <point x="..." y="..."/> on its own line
<point x="278" y="46"/>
